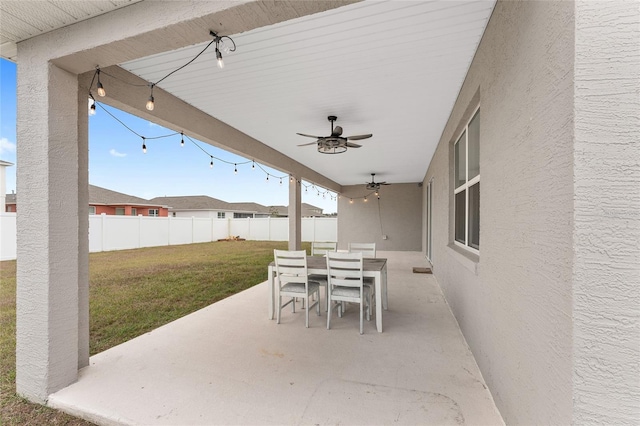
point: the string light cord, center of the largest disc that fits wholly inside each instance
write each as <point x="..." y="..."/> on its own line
<point x="212" y="157"/>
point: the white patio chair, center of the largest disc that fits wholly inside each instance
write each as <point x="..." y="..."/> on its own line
<point x="293" y="281"/>
<point x="320" y="248"/>
<point x="368" y="250"/>
<point x="346" y="283"/>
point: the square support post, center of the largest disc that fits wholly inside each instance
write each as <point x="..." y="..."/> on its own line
<point x="295" y="215"/>
<point x="52" y="225"/>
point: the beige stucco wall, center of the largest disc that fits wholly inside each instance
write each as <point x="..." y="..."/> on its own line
<point x="398" y="215"/>
<point x="514" y="303"/>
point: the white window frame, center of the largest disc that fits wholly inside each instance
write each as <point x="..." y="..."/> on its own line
<point x="154" y="212"/>
<point x="465" y="186"/>
<point x="222" y="215"/>
<point x="92" y="209"/>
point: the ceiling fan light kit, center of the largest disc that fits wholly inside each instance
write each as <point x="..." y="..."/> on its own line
<point x="334" y="143"/>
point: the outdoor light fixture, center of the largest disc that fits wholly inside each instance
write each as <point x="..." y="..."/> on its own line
<point x="211" y="163"/>
<point x="144" y="146"/>
<point x="150" y="104"/>
<point x="181" y="138"/>
<point x="235" y="169"/>
<point x="221" y="44"/>
<point x="101" y="91"/>
<point x="92" y="108"/>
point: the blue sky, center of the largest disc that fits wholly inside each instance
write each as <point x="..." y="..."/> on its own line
<point x="116" y="160"/>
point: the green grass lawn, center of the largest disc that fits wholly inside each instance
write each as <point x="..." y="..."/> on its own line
<point x="132" y="292"/>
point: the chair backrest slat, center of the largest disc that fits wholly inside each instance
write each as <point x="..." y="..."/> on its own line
<point x="367" y="249"/>
<point x="345" y="269"/>
<point x="291" y="265"/>
<point x="320" y="248"/>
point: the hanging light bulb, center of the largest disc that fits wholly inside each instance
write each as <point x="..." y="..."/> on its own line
<point x="101" y="91"/>
<point x="267" y="177"/>
<point x="290" y="179"/>
<point x="144" y="147"/>
<point x="219" y="58"/>
<point x="377" y="194"/>
<point x="350" y="200"/>
<point x="211" y="163"/>
<point x="181" y="139"/>
<point x="235" y="169"/>
<point x="253" y="165"/>
<point x="365" y="199"/>
<point x="92" y="105"/>
<point x="150" y="104"/>
<point x="306" y="189"/>
<point x="280" y="181"/>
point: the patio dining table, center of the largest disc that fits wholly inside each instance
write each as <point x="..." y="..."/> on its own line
<point x="373" y="268"/>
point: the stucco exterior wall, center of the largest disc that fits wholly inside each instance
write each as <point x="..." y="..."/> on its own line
<point x="514" y="301"/>
<point x="398" y="215"/>
<point x="606" y="270"/>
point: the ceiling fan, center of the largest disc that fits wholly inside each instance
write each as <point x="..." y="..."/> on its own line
<point x="334" y="143"/>
<point x="373" y="185"/>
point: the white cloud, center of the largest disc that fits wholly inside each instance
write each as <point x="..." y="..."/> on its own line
<point x="6" y="146"/>
<point x="116" y="153"/>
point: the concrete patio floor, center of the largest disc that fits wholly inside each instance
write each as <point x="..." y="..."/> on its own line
<point x="229" y="364"/>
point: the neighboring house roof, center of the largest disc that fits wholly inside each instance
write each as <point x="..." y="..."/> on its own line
<point x="193" y="202"/>
<point x="10" y="199"/>
<point x="307" y="210"/>
<point x="98" y="195"/>
<point x="250" y="207"/>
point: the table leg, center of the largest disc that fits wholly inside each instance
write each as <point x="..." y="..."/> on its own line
<point x="270" y="285"/>
<point x="379" y="289"/>
<point x="385" y="299"/>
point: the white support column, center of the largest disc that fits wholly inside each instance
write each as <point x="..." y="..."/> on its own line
<point x="295" y="215"/>
<point x="50" y="268"/>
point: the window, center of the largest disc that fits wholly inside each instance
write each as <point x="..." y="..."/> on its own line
<point x="120" y="211"/>
<point x="242" y="215"/>
<point x="221" y="215"/>
<point x="134" y="211"/>
<point x="154" y="212"/>
<point x="467" y="185"/>
<point x="92" y="209"/>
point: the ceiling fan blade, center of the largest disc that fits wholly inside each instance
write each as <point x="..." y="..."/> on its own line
<point x="358" y="137"/>
<point x="383" y="183"/>
<point x="309" y="136"/>
<point x="353" y="145"/>
<point x="306" y="144"/>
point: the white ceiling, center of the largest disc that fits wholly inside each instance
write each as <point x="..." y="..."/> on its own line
<point x="391" y="68"/>
<point x="23" y="19"/>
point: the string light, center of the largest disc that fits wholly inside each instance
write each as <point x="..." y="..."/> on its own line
<point x="319" y="191"/>
<point x="350" y="200"/>
<point x="150" y="104"/>
<point x="92" y="108"/>
<point x="101" y="92"/>
<point x="219" y="40"/>
<point x="365" y="198"/>
<point x="235" y="169"/>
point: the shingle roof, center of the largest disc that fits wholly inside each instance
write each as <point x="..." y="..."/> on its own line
<point x="307" y="210"/>
<point x="250" y="207"/>
<point x="10" y="198"/>
<point x="193" y="202"/>
<point x="98" y="195"/>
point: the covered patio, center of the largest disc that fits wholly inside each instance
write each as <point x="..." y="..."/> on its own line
<point x="228" y="364"/>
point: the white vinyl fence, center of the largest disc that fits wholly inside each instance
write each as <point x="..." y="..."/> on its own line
<point x="108" y="232"/>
